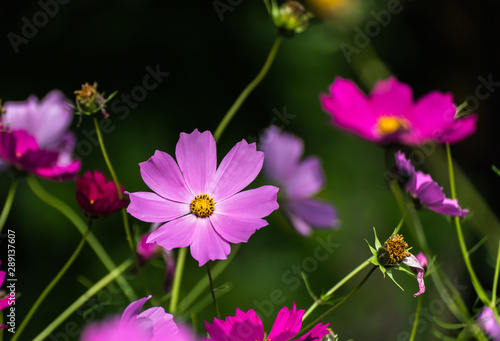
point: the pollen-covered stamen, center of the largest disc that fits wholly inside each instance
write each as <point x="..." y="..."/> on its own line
<point x="202" y="205"/>
<point x="396" y="248"/>
<point x="390" y="124"/>
<point x="87" y="93"/>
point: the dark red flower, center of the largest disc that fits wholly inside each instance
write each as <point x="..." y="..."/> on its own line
<point x="98" y="197"/>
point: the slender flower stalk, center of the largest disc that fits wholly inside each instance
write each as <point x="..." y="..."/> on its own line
<point x="212" y="291"/>
<point x="249" y="88"/>
<point x="176" y="287"/>
<point x="113" y="274"/>
<point x="495" y="279"/>
<point x="51" y="285"/>
<point x="8" y="203"/>
<point x="415" y="322"/>
<point x="337" y="286"/>
<point x="62" y="207"/>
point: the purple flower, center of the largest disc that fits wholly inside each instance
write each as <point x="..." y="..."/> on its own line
<point x="298" y="181"/>
<point x="34" y="137"/>
<point x="390" y="115"/>
<point x="153" y="324"/>
<point x="487" y="322"/>
<point x="201" y="204"/>
<point x="428" y="192"/>
<point x="248" y="327"/>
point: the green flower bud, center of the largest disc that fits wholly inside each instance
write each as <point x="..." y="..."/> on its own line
<point x="290" y="18"/>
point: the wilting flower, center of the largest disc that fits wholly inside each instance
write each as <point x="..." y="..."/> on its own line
<point x="425" y="190"/>
<point x="298" y="181"/>
<point x="487" y="322"/>
<point x="34" y="137"/>
<point x="422" y="259"/>
<point x="248" y="327"/>
<point x="98" y="197"/>
<point x="201" y="204"/>
<point x="152" y="324"/>
<point x="390" y="115"/>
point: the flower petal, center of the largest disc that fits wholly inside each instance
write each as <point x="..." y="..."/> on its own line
<point x="316" y="333"/>
<point x="197" y="158"/>
<point x="306" y="180"/>
<point x="208" y="244"/>
<point x="130" y="313"/>
<point x="164" y="177"/>
<point x="413" y="262"/>
<point x="314" y="212"/>
<point x="176" y="233"/>
<point x="164" y="326"/>
<point x="236" y="229"/>
<point x="449" y="207"/>
<point x="460" y="129"/>
<point x="152" y="208"/>
<point x="237" y="170"/>
<point x="391" y="97"/>
<point x="241" y="327"/>
<point x="287" y="324"/>
<point x="258" y="202"/>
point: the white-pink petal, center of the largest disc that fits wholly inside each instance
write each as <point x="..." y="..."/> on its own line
<point x="208" y="244"/>
<point x="152" y="208"/>
<point x="258" y="202"/>
<point x="236" y="229"/>
<point x="176" y="233"/>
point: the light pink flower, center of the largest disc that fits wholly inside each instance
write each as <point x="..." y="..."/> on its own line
<point x="390" y="114"/>
<point x="487" y="321"/>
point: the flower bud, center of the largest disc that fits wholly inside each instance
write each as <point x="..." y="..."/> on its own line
<point x="89" y="100"/>
<point x="290" y="18"/>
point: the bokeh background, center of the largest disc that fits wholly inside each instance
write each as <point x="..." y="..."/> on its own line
<point x="210" y="57"/>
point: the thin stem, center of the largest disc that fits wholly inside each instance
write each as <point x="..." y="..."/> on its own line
<point x="250" y="87"/>
<point x="495" y="280"/>
<point x="62" y="207"/>
<point x="51" y="285"/>
<point x="329" y="311"/>
<point x="176" y="286"/>
<point x="8" y="204"/>
<point x="337" y="286"/>
<point x="212" y="291"/>
<point x="415" y="322"/>
<point x="475" y="281"/>
<point x="115" y="273"/>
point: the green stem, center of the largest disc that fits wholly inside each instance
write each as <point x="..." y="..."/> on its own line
<point x="176" y="286"/>
<point x="495" y="280"/>
<point x="337" y="286"/>
<point x="415" y="322"/>
<point x="106" y="158"/>
<point x="51" y="285"/>
<point x="250" y="87"/>
<point x="8" y="204"/>
<point x="329" y="311"/>
<point x="114" y="274"/>
<point x="212" y="291"/>
<point x="62" y="207"/>
<point x="475" y="281"/>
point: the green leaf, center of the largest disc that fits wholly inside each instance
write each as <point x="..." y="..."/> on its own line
<point x="389" y="273"/>
<point x="377" y="242"/>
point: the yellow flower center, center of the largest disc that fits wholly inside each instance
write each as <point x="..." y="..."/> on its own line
<point x="202" y="205"/>
<point x="87" y="93"/>
<point x="396" y="248"/>
<point x="389" y="124"/>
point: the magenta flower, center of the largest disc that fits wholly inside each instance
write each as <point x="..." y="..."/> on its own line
<point x="248" y="327"/>
<point x="298" y="181"/>
<point x="34" y="137"/>
<point x="487" y="322"/>
<point x="202" y="205"/>
<point x="428" y="192"/>
<point x="152" y="324"/>
<point x="98" y="197"/>
<point x="390" y="115"/>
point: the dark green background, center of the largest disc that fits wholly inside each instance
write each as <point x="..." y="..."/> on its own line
<point x="442" y="46"/>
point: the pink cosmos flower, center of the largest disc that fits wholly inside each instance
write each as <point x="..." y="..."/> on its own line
<point x="153" y="324"/>
<point x="248" y="327"/>
<point x="487" y="322"/>
<point x="298" y="180"/>
<point x="34" y="137"/>
<point x="428" y="192"/>
<point x="200" y="203"/>
<point x="390" y="114"/>
<point x="98" y="197"/>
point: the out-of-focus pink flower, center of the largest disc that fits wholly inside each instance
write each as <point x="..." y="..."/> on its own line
<point x="390" y="114"/>
<point x="427" y="191"/>
<point x="152" y="324"/>
<point x="248" y="327"/>
<point x="98" y="197"/>
<point x="200" y="204"/>
<point x="34" y="137"/>
<point x="487" y="322"/>
<point x="298" y="181"/>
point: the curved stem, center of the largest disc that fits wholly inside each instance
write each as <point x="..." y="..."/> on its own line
<point x="212" y="291"/>
<point x="337" y="286"/>
<point x="176" y="286"/>
<point x="62" y="207"/>
<point x="51" y="285"/>
<point x="8" y="204"/>
<point x="250" y="87"/>
<point x="329" y="311"/>
<point x="415" y="322"/>
<point x="114" y="274"/>
<point x="495" y="279"/>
